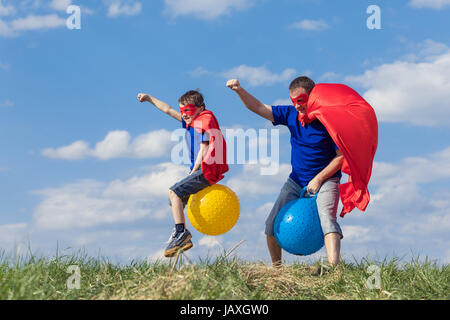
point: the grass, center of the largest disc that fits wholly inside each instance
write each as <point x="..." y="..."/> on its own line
<point x="221" y="278"/>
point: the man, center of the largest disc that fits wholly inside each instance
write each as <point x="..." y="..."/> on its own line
<point x="316" y="162"/>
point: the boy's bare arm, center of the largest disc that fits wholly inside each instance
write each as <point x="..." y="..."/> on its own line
<point x="164" y="107"/>
<point x="250" y="101"/>
<point x="201" y="155"/>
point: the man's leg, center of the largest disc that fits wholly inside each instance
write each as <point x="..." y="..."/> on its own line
<point x="274" y="250"/>
<point x="327" y="204"/>
<point x="289" y="192"/>
<point x="333" y="247"/>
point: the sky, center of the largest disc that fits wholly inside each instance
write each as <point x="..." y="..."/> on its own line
<point x="85" y="166"/>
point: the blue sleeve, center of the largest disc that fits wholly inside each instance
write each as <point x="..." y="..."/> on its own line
<point x="335" y="146"/>
<point x="280" y="115"/>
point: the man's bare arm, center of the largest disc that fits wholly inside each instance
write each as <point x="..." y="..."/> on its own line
<point x="164" y="107"/>
<point x="250" y="101"/>
<point x="327" y="172"/>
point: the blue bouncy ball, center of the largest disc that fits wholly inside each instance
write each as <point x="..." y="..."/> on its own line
<point x="297" y="226"/>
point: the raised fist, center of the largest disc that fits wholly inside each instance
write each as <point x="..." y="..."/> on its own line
<point x="143" y="97"/>
<point x="233" y="84"/>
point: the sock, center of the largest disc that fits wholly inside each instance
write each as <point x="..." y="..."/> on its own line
<point x="179" y="227"/>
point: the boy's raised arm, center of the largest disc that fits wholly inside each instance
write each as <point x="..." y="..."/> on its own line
<point x="250" y="101"/>
<point x="164" y="107"/>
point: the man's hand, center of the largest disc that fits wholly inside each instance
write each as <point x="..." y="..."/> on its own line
<point x="142" y="97"/>
<point x="233" y="84"/>
<point x="314" y="185"/>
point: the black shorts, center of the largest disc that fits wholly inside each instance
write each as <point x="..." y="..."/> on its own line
<point x="192" y="184"/>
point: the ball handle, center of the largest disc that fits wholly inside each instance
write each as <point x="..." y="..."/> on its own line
<point x="305" y="194"/>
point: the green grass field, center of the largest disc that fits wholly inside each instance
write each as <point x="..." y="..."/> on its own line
<point x="222" y="278"/>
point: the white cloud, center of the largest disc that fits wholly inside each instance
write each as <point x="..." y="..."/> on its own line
<point x="310" y="25"/>
<point x="433" y="4"/>
<point x="409" y="209"/>
<point x="6" y="30"/>
<point x="205" y="9"/>
<point x="417" y="92"/>
<point x="75" y="151"/>
<point x="200" y="71"/>
<point x="32" y="22"/>
<point x="6" y="10"/>
<point x="329" y="77"/>
<point x="6" y="103"/>
<point x="60" y="5"/>
<point x="89" y="203"/>
<point x="11" y="234"/>
<point x="123" y="8"/>
<point x="358" y="234"/>
<point x="4" y="66"/>
<point x="251" y="183"/>
<point x="401" y="197"/>
<point x="117" y="144"/>
<point x="259" y="76"/>
<point x="282" y="102"/>
<point x="209" y="242"/>
<point x="401" y="182"/>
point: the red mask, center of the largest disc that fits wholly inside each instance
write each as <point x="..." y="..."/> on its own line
<point x="189" y="109"/>
<point x="301" y="99"/>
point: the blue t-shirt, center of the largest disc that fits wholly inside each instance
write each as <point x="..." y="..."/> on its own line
<point x="193" y="140"/>
<point x="312" y="146"/>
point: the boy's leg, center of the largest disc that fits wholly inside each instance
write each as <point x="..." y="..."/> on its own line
<point x="327" y="204"/>
<point x="179" y="194"/>
<point x="177" y="208"/>
<point x="289" y="192"/>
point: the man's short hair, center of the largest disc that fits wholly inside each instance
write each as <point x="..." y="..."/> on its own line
<point x="302" y="82"/>
<point x="192" y="97"/>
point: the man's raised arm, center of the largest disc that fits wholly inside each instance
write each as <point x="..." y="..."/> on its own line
<point x="250" y="101"/>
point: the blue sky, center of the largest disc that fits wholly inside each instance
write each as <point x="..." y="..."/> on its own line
<point x="82" y="163"/>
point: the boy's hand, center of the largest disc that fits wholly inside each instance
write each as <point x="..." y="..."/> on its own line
<point x="142" y="97"/>
<point x="233" y="84"/>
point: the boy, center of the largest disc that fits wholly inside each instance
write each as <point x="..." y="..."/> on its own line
<point x="207" y="154"/>
<point x="315" y="160"/>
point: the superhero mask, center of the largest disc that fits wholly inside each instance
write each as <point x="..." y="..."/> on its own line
<point x="189" y="110"/>
<point x="301" y="99"/>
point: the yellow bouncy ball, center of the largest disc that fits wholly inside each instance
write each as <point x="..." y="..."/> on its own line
<point x="213" y="210"/>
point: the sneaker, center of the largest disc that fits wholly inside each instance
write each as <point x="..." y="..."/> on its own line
<point x="178" y="243"/>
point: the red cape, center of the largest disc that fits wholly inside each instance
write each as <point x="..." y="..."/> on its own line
<point x="214" y="164"/>
<point x="352" y="124"/>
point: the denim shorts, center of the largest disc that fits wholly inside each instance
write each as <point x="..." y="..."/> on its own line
<point x="327" y="204"/>
<point x="192" y="184"/>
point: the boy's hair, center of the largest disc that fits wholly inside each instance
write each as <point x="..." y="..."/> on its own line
<point x="302" y="82"/>
<point x="192" y="97"/>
